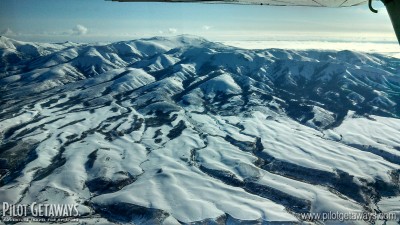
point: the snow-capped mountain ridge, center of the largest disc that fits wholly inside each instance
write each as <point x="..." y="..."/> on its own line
<point x="180" y="130"/>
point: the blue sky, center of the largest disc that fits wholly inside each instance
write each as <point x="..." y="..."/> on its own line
<point x="99" y="20"/>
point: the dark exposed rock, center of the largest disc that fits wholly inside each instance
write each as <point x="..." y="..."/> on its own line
<point x="130" y="213"/>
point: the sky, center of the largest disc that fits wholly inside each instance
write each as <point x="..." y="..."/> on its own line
<point x="104" y="21"/>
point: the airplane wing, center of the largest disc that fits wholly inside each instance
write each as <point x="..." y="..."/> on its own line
<point x="321" y="3"/>
<point x="392" y="6"/>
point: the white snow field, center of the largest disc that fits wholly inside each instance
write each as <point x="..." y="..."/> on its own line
<point x="181" y="130"/>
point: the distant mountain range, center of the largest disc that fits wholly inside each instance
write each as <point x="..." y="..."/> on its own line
<point x="181" y="130"/>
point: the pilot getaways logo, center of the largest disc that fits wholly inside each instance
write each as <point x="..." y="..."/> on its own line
<point x="37" y="212"/>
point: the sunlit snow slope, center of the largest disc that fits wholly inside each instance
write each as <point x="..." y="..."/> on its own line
<point x="180" y="130"/>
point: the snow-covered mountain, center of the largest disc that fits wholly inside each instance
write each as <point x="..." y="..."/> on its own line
<point x="181" y="130"/>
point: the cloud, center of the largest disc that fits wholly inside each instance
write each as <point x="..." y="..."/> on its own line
<point x="169" y="31"/>
<point x="205" y="27"/>
<point x="7" y="32"/>
<point x="172" y="30"/>
<point x="79" y="30"/>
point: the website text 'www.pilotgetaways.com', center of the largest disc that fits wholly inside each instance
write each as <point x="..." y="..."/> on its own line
<point x="348" y="216"/>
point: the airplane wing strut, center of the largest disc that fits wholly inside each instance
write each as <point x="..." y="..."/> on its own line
<point x="393" y="8"/>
